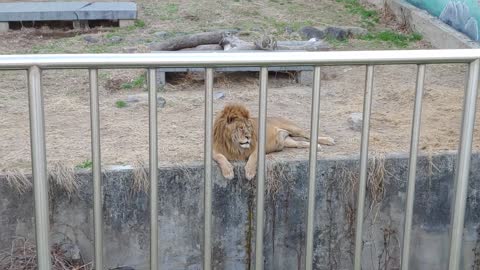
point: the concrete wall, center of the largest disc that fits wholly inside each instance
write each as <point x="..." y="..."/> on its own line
<point x="461" y="15"/>
<point x="438" y="33"/>
<point x="180" y="216"/>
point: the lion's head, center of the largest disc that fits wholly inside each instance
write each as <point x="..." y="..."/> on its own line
<point x="234" y="133"/>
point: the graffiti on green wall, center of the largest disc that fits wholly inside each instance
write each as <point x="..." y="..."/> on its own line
<point x="461" y="15"/>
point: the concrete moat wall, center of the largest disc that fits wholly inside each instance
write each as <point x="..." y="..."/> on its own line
<point x="180" y="216"/>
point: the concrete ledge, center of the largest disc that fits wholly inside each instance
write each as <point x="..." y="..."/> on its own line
<point x="439" y="34"/>
<point x="67" y="11"/>
<point x="180" y="215"/>
<point x="4" y="26"/>
<point x="161" y="72"/>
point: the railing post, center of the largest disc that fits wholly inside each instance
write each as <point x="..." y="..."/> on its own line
<point x="262" y="120"/>
<point x="153" y="167"/>
<point x="207" y="246"/>
<point x="39" y="167"/>
<point x="315" y="111"/>
<point x="412" y="167"/>
<point x="463" y="164"/>
<point x="96" y="168"/>
<point x="362" y="186"/>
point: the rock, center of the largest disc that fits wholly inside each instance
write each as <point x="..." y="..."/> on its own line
<point x="336" y="33"/>
<point x="355" y="120"/>
<point x="351" y="31"/>
<point x="288" y="30"/>
<point x="219" y="95"/>
<point x="129" y="50"/>
<point x="115" y="39"/>
<point x="90" y="39"/>
<point x="71" y="252"/>
<point x="161" y="102"/>
<point x="311" y="32"/>
<point x="161" y="34"/>
<point x="355" y="31"/>
<point x="133" y="99"/>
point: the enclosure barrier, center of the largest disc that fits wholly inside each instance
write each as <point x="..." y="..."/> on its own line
<point x="34" y="64"/>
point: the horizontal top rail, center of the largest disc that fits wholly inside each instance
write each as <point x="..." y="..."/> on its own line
<point x="222" y="59"/>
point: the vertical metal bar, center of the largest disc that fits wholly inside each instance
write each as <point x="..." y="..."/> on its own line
<point x="207" y="246"/>
<point x="39" y="167"/>
<point x="153" y="166"/>
<point x="313" y="167"/>
<point x="463" y="164"/>
<point x="262" y="119"/>
<point x="367" y="105"/>
<point x="412" y="167"/>
<point x="96" y="168"/>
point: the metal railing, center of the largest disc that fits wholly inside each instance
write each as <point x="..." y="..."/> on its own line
<point x="34" y="64"/>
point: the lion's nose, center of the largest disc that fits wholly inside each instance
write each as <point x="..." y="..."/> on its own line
<point x="247" y="136"/>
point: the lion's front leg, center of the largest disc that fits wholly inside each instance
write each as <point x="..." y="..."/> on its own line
<point x="225" y="166"/>
<point x="251" y="166"/>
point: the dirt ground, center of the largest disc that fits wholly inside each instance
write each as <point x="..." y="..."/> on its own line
<point x="124" y="131"/>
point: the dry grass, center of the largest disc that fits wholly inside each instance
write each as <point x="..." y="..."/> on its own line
<point x="17" y="180"/>
<point x="349" y="177"/>
<point x="22" y="256"/>
<point x="63" y="176"/>
<point x="141" y="182"/>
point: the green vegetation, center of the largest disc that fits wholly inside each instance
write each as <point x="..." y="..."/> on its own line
<point x="120" y="104"/>
<point x="85" y="165"/>
<point x="166" y="12"/>
<point x="397" y="39"/>
<point x="172" y="8"/>
<point x="139" y="24"/>
<point x="136" y="83"/>
<point x="281" y="26"/>
<point x="369" y="17"/>
<point x="335" y="42"/>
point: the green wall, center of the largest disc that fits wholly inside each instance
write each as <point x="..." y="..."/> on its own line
<point x="461" y="15"/>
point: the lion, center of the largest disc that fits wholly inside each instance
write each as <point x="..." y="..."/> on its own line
<point x="235" y="138"/>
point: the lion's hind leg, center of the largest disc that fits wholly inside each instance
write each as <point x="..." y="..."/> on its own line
<point x="296" y="131"/>
<point x="291" y="143"/>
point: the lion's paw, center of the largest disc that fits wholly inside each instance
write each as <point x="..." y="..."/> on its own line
<point x="227" y="171"/>
<point x="326" y="141"/>
<point x="250" y="170"/>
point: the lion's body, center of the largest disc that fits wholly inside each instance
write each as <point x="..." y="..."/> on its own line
<point x="235" y="138"/>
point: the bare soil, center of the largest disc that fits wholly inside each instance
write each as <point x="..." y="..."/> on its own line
<point x="124" y="131"/>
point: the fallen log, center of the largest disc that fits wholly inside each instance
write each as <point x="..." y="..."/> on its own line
<point x="234" y="43"/>
<point x="205" y="47"/>
<point x="189" y="41"/>
<point x="230" y="43"/>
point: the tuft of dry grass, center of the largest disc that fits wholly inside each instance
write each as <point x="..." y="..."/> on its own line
<point x="350" y="177"/>
<point x="22" y="256"/>
<point x="63" y="176"/>
<point x="18" y="180"/>
<point x="141" y="181"/>
<point x="278" y="177"/>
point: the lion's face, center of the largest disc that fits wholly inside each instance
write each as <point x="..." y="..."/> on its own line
<point x="241" y="132"/>
<point x="234" y="132"/>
